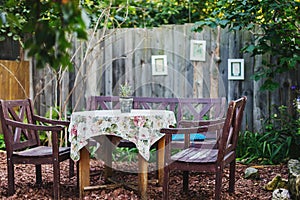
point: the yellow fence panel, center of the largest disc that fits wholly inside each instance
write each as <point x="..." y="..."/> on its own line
<point x="14" y="79"/>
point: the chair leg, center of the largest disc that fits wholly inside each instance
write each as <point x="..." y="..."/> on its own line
<point x="77" y="172"/>
<point x="157" y="166"/>
<point x="218" y="184"/>
<point x="166" y="183"/>
<point x="38" y="174"/>
<point x="56" y="180"/>
<point x="71" y="168"/>
<point x="232" y="176"/>
<point x="11" y="178"/>
<point x="185" y="181"/>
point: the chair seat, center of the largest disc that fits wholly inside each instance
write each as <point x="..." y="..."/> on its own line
<point x="40" y="151"/>
<point x="196" y="155"/>
<point x="193" y="137"/>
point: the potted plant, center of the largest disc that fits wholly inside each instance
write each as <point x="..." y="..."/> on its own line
<point x="125" y="98"/>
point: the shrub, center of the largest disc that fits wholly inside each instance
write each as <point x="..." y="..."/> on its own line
<point x="277" y="142"/>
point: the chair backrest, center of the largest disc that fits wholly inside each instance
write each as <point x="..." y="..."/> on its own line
<point x="227" y="141"/>
<point x="19" y="111"/>
<point x="214" y="128"/>
<point x="184" y="108"/>
<point x="102" y="103"/>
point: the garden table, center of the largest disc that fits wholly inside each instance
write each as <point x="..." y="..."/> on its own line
<point x="142" y="127"/>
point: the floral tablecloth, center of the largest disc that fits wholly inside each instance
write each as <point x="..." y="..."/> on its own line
<point x="141" y="127"/>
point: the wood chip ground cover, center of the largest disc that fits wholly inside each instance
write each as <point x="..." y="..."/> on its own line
<point x="201" y="185"/>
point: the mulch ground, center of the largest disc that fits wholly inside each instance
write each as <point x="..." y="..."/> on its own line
<point x="201" y="185"/>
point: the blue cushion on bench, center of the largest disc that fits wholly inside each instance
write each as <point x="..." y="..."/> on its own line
<point x="193" y="137"/>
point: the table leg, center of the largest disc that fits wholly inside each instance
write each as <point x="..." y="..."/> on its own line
<point x="143" y="177"/>
<point x="107" y="146"/>
<point x="161" y="160"/>
<point x="83" y="171"/>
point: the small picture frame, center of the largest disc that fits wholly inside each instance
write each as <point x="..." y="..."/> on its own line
<point x="235" y="69"/>
<point x="198" y="50"/>
<point x="159" y="65"/>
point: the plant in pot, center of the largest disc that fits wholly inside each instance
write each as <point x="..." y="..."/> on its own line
<point x="125" y="98"/>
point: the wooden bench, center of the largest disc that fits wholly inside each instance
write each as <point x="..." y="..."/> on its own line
<point x="184" y="108"/>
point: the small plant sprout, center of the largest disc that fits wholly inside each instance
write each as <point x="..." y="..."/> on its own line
<point x="125" y="90"/>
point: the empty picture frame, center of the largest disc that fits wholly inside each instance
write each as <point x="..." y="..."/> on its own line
<point x="235" y="69"/>
<point x="198" y="50"/>
<point x="159" y="65"/>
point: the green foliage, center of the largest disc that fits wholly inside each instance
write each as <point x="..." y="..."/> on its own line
<point x="44" y="28"/>
<point x="278" y="141"/>
<point x="125" y="154"/>
<point x="146" y="13"/>
<point x="275" y="25"/>
<point x="2" y="143"/>
<point x="125" y="90"/>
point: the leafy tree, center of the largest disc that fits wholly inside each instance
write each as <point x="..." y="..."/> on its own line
<point x="277" y="34"/>
<point x="44" y="28"/>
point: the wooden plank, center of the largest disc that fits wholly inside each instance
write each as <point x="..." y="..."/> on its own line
<point x="214" y="66"/>
<point x="129" y="52"/>
<point x="193" y="86"/>
<point x="118" y="60"/>
<point x="199" y="83"/>
<point x="182" y="85"/>
<point x="92" y="64"/>
<point x="223" y="56"/>
<point x="101" y="64"/>
<point x="234" y="86"/>
<point x="146" y="65"/>
<point x="142" y="63"/>
<point x="108" y="57"/>
<point x="157" y="44"/>
<point x="168" y="41"/>
<point x="138" y="68"/>
<point x="247" y="83"/>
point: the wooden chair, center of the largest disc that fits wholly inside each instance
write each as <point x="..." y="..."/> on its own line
<point x="21" y="128"/>
<point x="211" y="160"/>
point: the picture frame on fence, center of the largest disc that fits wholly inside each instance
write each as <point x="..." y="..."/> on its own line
<point x="235" y="69"/>
<point x="159" y="65"/>
<point x="198" y="50"/>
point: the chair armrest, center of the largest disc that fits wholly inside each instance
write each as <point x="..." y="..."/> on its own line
<point x="184" y="130"/>
<point x="170" y="131"/>
<point x="33" y="126"/>
<point x="51" y="121"/>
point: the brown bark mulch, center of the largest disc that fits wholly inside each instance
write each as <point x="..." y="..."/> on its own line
<point x="201" y="185"/>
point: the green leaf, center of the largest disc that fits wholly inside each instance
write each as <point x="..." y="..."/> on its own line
<point x="249" y="48"/>
<point x="224" y="22"/>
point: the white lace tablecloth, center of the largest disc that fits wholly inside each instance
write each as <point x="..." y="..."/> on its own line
<point x="142" y="127"/>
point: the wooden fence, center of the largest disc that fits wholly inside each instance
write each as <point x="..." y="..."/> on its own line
<point x="14" y="79"/>
<point x="112" y="57"/>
